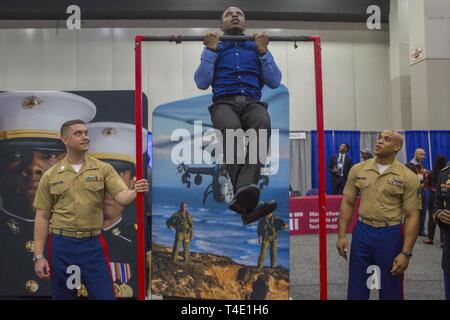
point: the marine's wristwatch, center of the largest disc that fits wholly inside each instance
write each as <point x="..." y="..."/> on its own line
<point x="37" y="257"/>
<point x="407" y="254"/>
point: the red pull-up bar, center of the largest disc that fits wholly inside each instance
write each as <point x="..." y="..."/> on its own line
<point x="320" y="145"/>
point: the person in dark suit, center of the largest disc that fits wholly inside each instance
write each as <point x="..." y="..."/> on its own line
<point x="441" y="215"/>
<point x="339" y="166"/>
<point x="416" y="165"/>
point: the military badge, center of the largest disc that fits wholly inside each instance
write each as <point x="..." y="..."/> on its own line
<point x="419" y="193"/>
<point x="126" y="291"/>
<point x="117" y="290"/>
<point x="117" y="233"/>
<point x="93" y="179"/>
<point x="109" y="131"/>
<point x="31" y="102"/>
<point x="395" y="182"/>
<point x="31" y="286"/>
<point x="14" y="226"/>
<point x="120" y="272"/>
<point x="82" y="292"/>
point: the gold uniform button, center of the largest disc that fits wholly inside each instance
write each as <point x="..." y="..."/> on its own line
<point x="31" y="286"/>
<point x="29" y="246"/>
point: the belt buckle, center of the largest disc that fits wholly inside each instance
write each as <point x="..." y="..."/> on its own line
<point x="79" y="234"/>
<point x="241" y="98"/>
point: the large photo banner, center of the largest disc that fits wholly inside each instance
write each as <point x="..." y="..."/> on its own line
<point x="30" y="145"/>
<point x="201" y="248"/>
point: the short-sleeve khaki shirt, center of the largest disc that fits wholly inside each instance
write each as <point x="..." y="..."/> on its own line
<point x="76" y="200"/>
<point x="384" y="197"/>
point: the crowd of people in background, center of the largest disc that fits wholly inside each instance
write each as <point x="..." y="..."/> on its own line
<point x="340" y="164"/>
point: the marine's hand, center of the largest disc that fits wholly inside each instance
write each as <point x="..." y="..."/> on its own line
<point x="141" y="185"/>
<point x="42" y="268"/>
<point x="342" y="246"/>
<point x="400" y="264"/>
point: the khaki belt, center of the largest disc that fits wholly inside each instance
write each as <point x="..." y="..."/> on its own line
<point x="76" y="234"/>
<point x="379" y="224"/>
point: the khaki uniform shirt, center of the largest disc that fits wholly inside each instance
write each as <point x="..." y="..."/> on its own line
<point x="182" y="223"/>
<point x="75" y="200"/>
<point x="384" y="197"/>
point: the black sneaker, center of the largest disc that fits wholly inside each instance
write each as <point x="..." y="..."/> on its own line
<point x="246" y="199"/>
<point x="261" y="210"/>
<point x="236" y="207"/>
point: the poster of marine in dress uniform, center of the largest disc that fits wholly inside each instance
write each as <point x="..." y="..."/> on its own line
<point x="30" y="145"/>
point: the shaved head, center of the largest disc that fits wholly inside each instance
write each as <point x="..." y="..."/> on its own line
<point x="420" y="150"/>
<point x="396" y="136"/>
<point x="420" y="155"/>
<point x="388" y="144"/>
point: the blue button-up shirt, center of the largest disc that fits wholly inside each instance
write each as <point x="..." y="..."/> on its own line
<point x="237" y="68"/>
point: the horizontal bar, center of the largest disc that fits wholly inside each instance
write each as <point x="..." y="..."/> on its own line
<point x="180" y="38"/>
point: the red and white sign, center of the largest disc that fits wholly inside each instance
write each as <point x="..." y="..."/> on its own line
<point x="416" y="55"/>
<point x="304" y="215"/>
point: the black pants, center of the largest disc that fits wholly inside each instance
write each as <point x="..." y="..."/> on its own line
<point x="431" y="223"/>
<point x="337" y="184"/>
<point x="228" y="114"/>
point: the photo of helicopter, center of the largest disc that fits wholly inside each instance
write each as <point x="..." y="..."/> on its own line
<point x="220" y="187"/>
<point x="173" y="116"/>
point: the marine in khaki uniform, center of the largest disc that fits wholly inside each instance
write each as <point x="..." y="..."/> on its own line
<point x="29" y="146"/>
<point x="388" y="225"/>
<point x="441" y="215"/>
<point x="268" y="228"/>
<point x="69" y="202"/>
<point x="182" y="222"/>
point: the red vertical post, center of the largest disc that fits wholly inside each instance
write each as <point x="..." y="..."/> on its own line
<point x="321" y="156"/>
<point x="139" y="168"/>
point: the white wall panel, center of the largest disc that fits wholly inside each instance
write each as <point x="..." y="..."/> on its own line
<point x="60" y="59"/>
<point x="164" y="69"/>
<point x="94" y="67"/>
<point x="372" y="85"/>
<point x="24" y="56"/>
<point x="338" y="76"/>
<point x="2" y="59"/>
<point x="300" y="77"/>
